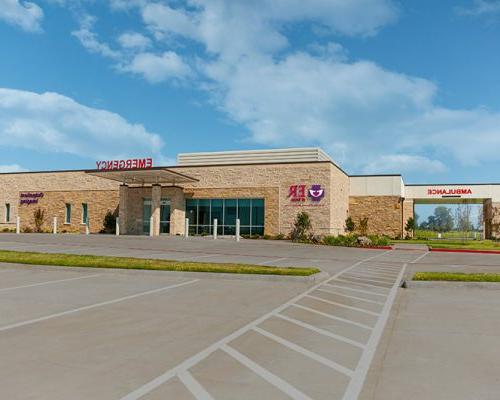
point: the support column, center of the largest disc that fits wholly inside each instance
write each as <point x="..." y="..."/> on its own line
<point x="177" y="211"/>
<point x="408" y="212"/>
<point x="123" y="209"/>
<point x="155" y="208"/>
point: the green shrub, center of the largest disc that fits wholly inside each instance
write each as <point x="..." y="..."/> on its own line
<point x="350" y="226"/>
<point x="302" y="227"/>
<point x="38" y="219"/>
<point x="109" y="222"/>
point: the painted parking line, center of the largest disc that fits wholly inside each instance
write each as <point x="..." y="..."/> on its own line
<point x="336" y="293"/>
<point x="369" y="272"/>
<point x="301" y="350"/>
<point x="93" y="306"/>
<point x="339" y="286"/>
<point x="274" y="380"/>
<point x="321" y="331"/>
<point x="361" y="284"/>
<point x="356" y="384"/>
<point x="370" y="278"/>
<point x="196" y="389"/>
<point x="334" y="303"/>
<point x="223" y="344"/>
<point x="273" y="261"/>
<point x="331" y="316"/>
<point x="48" y="282"/>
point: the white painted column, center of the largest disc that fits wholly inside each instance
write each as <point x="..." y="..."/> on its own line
<point x="87" y="228"/>
<point x="117" y="229"/>
<point x="215" y="228"/>
<point x="54" y="226"/>
<point x="151" y="227"/>
<point x="238" y="230"/>
<point x="186" y="228"/>
<point x="18" y="225"/>
<point x="155" y="209"/>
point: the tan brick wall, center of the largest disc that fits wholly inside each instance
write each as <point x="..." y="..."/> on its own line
<point x="13" y="184"/>
<point x="279" y="177"/>
<point x="408" y="212"/>
<point x="54" y="205"/>
<point x="384" y="213"/>
<point x="491" y="212"/>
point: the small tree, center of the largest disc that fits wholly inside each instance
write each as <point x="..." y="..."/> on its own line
<point x="301" y="227"/>
<point x="363" y="226"/>
<point x="110" y="222"/>
<point x="410" y="226"/>
<point x="350" y="226"/>
<point x="38" y="219"/>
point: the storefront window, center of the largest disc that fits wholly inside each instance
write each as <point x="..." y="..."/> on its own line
<point x="202" y="212"/>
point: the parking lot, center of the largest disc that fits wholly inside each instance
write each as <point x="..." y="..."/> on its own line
<point x="107" y="334"/>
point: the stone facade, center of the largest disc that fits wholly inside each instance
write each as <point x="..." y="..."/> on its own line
<point x="77" y="186"/>
<point x="53" y="204"/>
<point x="491" y="212"/>
<point x="408" y="212"/>
<point x="384" y="213"/>
<point x="268" y="181"/>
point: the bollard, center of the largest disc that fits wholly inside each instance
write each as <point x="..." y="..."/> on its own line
<point x="186" y="228"/>
<point x="215" y="228"/>
<point x="237" y="230"/>
<point x="151" y="226"/>
<point x="117" y="229"/>
<point x="54" y="226"/>
<point x="18" y="225"/>
<point x="87" y="228"/>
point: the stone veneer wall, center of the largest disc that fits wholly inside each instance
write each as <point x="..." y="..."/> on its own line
<point x="408" y="212"/>
<point x="279" y="177"/>
<point x="384" y="214"/>
<point x="54" y="182"/>
<point x="491" y="212"/>
<point x="54" y="205"/>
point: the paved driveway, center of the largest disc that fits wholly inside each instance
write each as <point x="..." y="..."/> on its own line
<point x="100" y="334"/>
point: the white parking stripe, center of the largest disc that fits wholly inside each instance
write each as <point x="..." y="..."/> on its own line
<point x="274" y="380"/>
<point x="194" y="386"/>
<point x="92" y="306"/>
<point x="321" y="331"/>
<point x="331" y="316"/>
<point x="305" y="352"/>
<point x="351" y="297"/>
<point x="360" y="284"/>
<point x="48" y="282"/>
<point x="334" y="303"/>
<point x="273" y="261"/>
<point x="195" y="359"/>
<point x="369" y="272"/>
<point x="355" y="290"/>
<point x="419" y="258"/>
<point x="370" y="278"/>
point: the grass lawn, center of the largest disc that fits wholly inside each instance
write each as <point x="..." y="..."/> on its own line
<point x="69" y="260"/>
<point x="456" y="276"/>
<point x="455" y="244"/>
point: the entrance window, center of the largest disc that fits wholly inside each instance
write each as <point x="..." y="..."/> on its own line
<point x="67" y="214"/>
<point x="146" y="216"/>
<point x="202" y="212"/>
<point x="85" y="213"/>
<point x="7" y="212"/>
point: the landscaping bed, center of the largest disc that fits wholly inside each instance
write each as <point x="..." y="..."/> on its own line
<point x="89" y="261"/>
<point x="456" y="277"/>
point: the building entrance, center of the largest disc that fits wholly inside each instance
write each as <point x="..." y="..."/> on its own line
<point x="164" y="217"/>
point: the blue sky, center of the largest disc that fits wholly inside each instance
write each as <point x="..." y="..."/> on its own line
<point x="384" y="86"/>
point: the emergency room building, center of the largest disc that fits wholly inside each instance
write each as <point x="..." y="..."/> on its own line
<point x="264" y="189"/>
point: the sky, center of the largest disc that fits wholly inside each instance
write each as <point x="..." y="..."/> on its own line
<point x="383" y="86"/>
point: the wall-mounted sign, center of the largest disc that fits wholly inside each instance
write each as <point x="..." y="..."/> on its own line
<point x="30" y="197"/>
<point x="299" y="193"/>
<point x="448" y="191"/>
<point x="134" y="163"/>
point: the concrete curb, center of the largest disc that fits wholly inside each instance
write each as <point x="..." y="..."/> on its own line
<point x="320" y="276"/>
<point x="451" y="285"/>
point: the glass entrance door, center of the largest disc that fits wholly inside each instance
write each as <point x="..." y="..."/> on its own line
<point x="164" y="216"/>
<point x="146" y="216"/>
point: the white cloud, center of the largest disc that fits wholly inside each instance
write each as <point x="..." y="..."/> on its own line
<point x="88" y="38"/>
<point x="50" y="122"/>
<point x="12" y="168"/>
<point x="480" y="7"/>
<point x="134" y="40"/>
<point x="158" y="68"/>
<point x="400" y="163"/>
<point x="24" y="14"/>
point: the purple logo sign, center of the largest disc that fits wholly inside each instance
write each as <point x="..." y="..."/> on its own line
<point x="316" y="193"/>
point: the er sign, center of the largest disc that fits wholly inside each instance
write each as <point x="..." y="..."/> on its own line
<point x="300" y="193"/>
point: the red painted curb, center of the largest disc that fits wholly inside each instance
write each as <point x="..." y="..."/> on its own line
<point x="466" y="251"/>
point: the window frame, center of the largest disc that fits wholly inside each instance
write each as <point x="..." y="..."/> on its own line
<point x="85" y="213"/>
<point x="8" y="210"/>
<point x="67" y="213"/>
